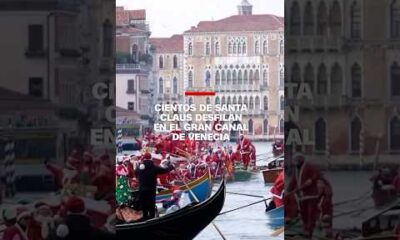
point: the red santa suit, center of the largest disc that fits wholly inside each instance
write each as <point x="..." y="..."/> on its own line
<point x="305" y="182"/>
<point x="14" y="232"/>
<point x="278" y="189"/>
<point x="244" y="148"/>
<point x="66" y="176"/>
<point x="325" y="205"/>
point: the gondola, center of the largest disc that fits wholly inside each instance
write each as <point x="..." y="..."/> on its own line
<point x="275" y="217"/>
<point x="183" y="224"/>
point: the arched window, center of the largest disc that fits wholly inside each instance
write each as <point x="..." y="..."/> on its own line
<point x="282" y="103"/>
<point x="217" y="49"/>
<point x="208" y="49"/>
<point x="230" y="48"/>
<point x="234" y="48"/>
<point x="320" y="135"/>
<point x="107" y="38"/>
<point x="335" y="19"/>
<point x="217" y="78"/>
<point x="175" y="61"/>
<point x="190" y="100"/>
<point x="394" y="133"/>
<point x="395" y="80"/>
<point x="251" y="127"/>
<point x="281" y="125"/>
<point x="322" y="80"/>
<point x="244" y="48"/>
<point x="234" y="77"/>
<point x="223" y="101"/>
<point x="258" y="103"/>
<point x="190" y="79"/>
<point x="282" y="76"/>
<point x="229" y="78"/>
<point x="208" y="79"/>
<point x="251" y="77"/>
<point x="295" y="20"/>
<point x="160" y="86"/>
<point x="296" y="76"/>
<point x="355" y="134"/>
<point x="257" y="77"/>
<point x="355" y="21"/>
<point x="356" y="86"/>
<point x="322" y="19"/>
<point x="251" y="103"/>
<point x="257" y="47"/>
<point x="161" y="62"/>
<point x="228" y="101"/>
<point x="246" y="101"/>
<point x="245" y="78"/>
<point x="223" y="78"/>
<point x="265" y="126"/>
<point x="175" y="86"/>
<point x="208" y="100"/>
<point x="336" y="80"/>
<point x="240" y="100"/>
<point x="265" y="47"/>
<point x="190" y="49"/>
<point x="395" y="19"/>
<point x="134" y="53"/>
<point x="234" y="101"/>
<point x="240" y="79"/>
<point x="265" y="103"/>
<point x="217" y="101"/>
<point x="281" y="47"/>
<point x="309" y="76"/>
<point x="308" y="19"/>
<point x="239" y="48"/>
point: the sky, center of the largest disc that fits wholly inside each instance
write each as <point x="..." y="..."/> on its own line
<point x="168" y="17"/>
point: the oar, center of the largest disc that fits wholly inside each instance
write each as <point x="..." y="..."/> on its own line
<point x="245" y="206"/>
<point x="278" y="232"/>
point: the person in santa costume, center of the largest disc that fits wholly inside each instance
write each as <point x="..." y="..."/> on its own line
<point x="104" y="181"/>
<point x="11" y="231"/>
<point x="325" y="205"/>
<point x="43" y="216"/>
<point x="76" y="225"/>
<point x="277" y="192"/>
<point x="304" y="184"/>
<point x="122" y="191"/>
<point x="245" y="150"/>
<point x="67" y="175"/>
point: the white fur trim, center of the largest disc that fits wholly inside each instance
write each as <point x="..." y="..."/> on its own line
<point x="141" y="166"/>
<point x="62" y="231"/>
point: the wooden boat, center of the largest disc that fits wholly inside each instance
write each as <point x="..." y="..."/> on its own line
<point x="201" y="187"/>
<point x="242" y="175"/>
<point x="384" y="221"/>
<point x="275" y="217"/>
<point x="274" y="168"/>
<point x="183" y="224"/>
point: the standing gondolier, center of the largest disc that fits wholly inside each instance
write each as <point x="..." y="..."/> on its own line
<point x="147" y="175"/>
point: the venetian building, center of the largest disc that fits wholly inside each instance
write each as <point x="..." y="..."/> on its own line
<point x="241" y="58"/>
<point x="167" y="69"/>
<point x="347" y="52"/>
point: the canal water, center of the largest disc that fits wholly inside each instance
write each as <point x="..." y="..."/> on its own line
<point x="250" y="222"/>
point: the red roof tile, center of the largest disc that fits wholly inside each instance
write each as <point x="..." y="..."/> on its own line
<point x="264" y="22"/>
<point x="173" y="44"/>
<point x="123" y="16"/>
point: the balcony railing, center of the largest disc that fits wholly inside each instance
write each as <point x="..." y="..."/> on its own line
<point x="127" y="67"/>
<point x="238" y="88"/>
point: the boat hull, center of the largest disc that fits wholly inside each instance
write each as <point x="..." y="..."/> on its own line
<point x="275" y="217"/>
<point x="270" y="175"/>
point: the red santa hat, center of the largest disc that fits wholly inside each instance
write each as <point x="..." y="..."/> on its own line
<point x="76" y="205"/>
<point x="147" y="156"/>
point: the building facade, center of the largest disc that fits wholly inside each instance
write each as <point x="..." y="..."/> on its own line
<point x="241" y="58"/>
<point x="348" y="53"/>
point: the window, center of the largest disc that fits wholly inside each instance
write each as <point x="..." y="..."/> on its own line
<point x="336" y="80"/>
<point x="228" y="101"/>
<point x="335" y="20"/>
<point x="240" y="100"/>
<point x="244" y="48"/>
<point x="239" y="48"/>
<point x="395" y="80"/>
<point x="245" y="78"/>
<point x="234" y="78"/>
<point x="223" y="101"/>
<point x="250" y="123"/>
<point x="251" y="103"/>
<point x="234" y="48"/>
<point x="320" y="135"/>
<point x="282" y="76"/>
<point x="256" y="48"/>
<point x="217" y="49"/>
<point x="251" y="77"/>
<point x="175" y="60"/>
<point x="308" y="19"/>
<point x="107" y="39"/>
<point x="296" y="76"/>
<point x="36" y="87"/>
<point x="208" y="79"/>
<point x="265" y="47"/>
<point x="161" y="86"/>
<point x="217" y="78"/>
<point x="131" y="106"/>
<point x="322" y="19"/>
<point x="281" y="126"/>
<point x="229" y="77"/>
<point x="240" y="79"/>
<point x="35" y="32"/>
<point x="257" y="106"/>
<point x="208" y="49"/>
<point x="223" y="78"/>
<point x="217" y="101"/>
<point x="190" y="79"/>
<point x="282" y="103"/>
<point x="208" y="100"/>
<point x="190" y="49"/>
<point x="265" y="103"/>
<point x="295" y="21"/>
<point x="265" y="126"/>
<point x="230" y="48"/>
<point x="265" y="77"/>
<point x="281" y="47"/>
<point x="394" y="134"/>
<point x="356" y="81"/>
<point x="134" y="53"/>
<point x="234" y="100"/>
<point x="175" y="86"/>
<point x="131" y="86"/>
<point x="309" y="76"/>
<point x="355" y="134"/>
<point x="190" y="100"/>
<point x="161" y="62"/>
<point x="322" y="80"/>
<point x="257" y="77"/>
<point x="246" y="101"/>
<point x="395" y="19"/>
<point x="355" y="21"/>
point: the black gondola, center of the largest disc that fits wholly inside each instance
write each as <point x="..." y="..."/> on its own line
<point x="184" y="224"/>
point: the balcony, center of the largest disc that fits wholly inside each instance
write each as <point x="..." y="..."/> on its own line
<point x="128" y="68"/>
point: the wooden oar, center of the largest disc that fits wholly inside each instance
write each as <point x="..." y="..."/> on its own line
<point x="278" y="232"/>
